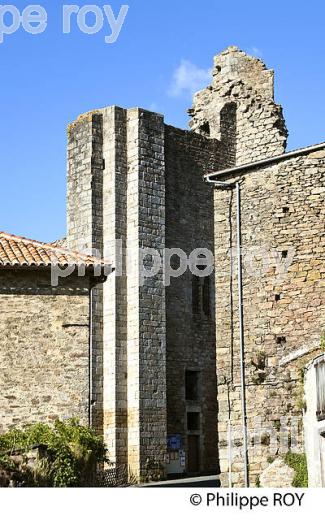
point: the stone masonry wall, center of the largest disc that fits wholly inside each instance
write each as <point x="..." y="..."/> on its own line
<point x="190" y="336"/>
<point x="283" y="245"/>
<point x="147" y="430"/>
<point x="44" y="348"/>
<point x="241" y="98"/>
<point x="85" y="229"/>
<point x="116" y="193"/>
<point x="120" y="164"/>
<point x="134" y="180"/>
<point x="114" y="290"/>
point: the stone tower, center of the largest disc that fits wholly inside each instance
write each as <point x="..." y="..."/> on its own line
<point x="133" y="183"/>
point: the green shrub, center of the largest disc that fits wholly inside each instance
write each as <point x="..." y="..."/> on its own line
<point x="322" y="341"/>
<point x="298" y="462"/>
<point x="74" y="451"/>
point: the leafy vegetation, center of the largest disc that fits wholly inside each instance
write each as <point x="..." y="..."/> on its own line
<point x="73" y="453"/>
<point x="322" y="341"/>
<point x="298" y="462"/>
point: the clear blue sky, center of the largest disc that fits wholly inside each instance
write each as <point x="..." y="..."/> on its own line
<point x="48" y="79"/>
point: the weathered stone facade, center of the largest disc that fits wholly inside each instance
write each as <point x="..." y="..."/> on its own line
<point x="277" y="474"/>
<point x="190" y="332"/>
<point x="239" y="108"/>
<point x="135" y="180"/>
<point x="165" y="373"/>
<point x="283" y="244"/>
<point x="44" y="348"/>
<point x="151" y="176"/>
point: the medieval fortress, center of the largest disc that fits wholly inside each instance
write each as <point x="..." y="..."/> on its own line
<point x="220" y="370"/>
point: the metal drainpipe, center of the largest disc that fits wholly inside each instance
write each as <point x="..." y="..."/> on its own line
<point x="93" y="283"/>
<point x="229" y="435"/>
<point x="90" y="389"/>
<point x="226" y="186"/>
<point x="241" y="336"/>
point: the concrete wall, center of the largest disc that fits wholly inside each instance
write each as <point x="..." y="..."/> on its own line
<point x="284" y="300"/>
<point x="44" y="348"/>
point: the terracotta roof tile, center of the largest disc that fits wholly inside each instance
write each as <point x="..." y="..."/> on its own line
<point x="22" y="252"/>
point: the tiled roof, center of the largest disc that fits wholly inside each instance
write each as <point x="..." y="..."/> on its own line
<point x="61" y="242"/>
<point x="23" y="252"/>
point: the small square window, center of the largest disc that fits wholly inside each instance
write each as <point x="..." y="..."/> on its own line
<point x="193" y="421"/>
<point x="191" y="385"/>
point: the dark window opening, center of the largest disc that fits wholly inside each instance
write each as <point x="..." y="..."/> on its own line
<point x="228" y="131"/>
<point x="196" y="290"/>
<point x="277" y="297"/>
<point x="280" y="340"/>
<point x="205" y="129"/>
<point x="284" y="254"/>
<point x="206" y="296"/>
<point x="191" y="385"/>
<point x="285" y="209"/>
<point x="201" y="296"/>
<point x="320" y="384"/>
<point x="193" y="421"/>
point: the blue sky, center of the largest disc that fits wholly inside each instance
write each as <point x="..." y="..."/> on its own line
<point x="48" y="79"/>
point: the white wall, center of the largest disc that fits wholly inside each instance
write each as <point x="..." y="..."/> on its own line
<point x="313" y="430"/>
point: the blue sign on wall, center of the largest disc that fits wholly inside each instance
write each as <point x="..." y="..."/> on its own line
<point x="174" y="442"/>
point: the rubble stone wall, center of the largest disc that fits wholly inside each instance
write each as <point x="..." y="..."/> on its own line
<point x="44" y="348"/>
<point x="283" y="244"/>
<point x="241" y="97"/>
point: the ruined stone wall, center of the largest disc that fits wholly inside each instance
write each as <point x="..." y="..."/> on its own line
<point x="241" y="99"/>
<point x="283" y="247"/>
<point x="44" y="348"/>
<point x="190" y="333"/>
